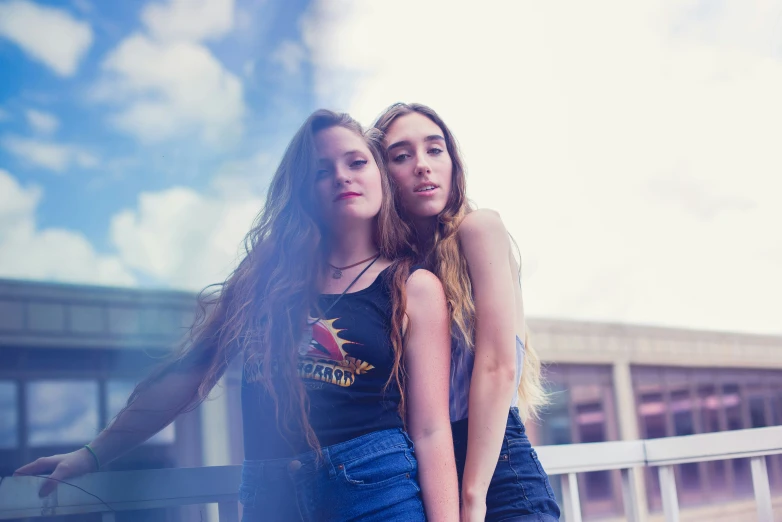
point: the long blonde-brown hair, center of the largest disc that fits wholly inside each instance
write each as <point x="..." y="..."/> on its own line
<point x="262" y="307"/>
<point x="442" y="254"/>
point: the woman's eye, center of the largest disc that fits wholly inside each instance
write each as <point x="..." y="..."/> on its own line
<point x="322" y="173"/>
<point x="435" y="151"/>
<point x="401" y="157"/>
<point x="358" y="163"/>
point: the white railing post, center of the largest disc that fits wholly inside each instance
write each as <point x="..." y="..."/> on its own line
<point x="668" y="491"/>
<point x="570" y="499"/>
<point x="628" y="495"/>
<point x="762" y="489"/>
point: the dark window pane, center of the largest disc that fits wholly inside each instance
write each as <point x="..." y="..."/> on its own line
<point x="652" y="411"/>
<point x="683" y="424"/>
<point x="555" y="418"/>
<point x="578" y="412"/>
<point x="591" y="422"/>
<point x="731" y="401"/>
<point x="710" y="405"/>
<point x="9" y="416"/>
<point x="591" y="428"/>
<point x="653" y="415"/>
<point x="757" y="412"/>
<point x="62" y="413"/>
<point x="710" y="408"/>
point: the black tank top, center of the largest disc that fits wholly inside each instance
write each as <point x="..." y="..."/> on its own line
<point x="344" y="367"/>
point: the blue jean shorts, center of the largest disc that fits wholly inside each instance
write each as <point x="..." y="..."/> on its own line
<point x="373" y="477"/>
<point x="519" y="490"/>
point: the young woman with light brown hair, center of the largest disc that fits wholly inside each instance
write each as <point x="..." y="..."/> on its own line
<point x="345" y="348"/>
<point x="495" y="373"/>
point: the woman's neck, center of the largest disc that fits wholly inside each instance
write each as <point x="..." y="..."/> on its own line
<point x="351" y="244"/>
<point x="424" y="231"/>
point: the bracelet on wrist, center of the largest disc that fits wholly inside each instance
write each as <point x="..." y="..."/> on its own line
<point x="94" y="456"/>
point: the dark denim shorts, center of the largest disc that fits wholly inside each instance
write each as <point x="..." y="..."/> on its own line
<point x="373" y="477"/>
<point x="519" y="490"/>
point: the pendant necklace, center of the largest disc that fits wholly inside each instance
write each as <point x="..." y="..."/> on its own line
<point x="337" y="273"/>
<point x="307" y="334"/>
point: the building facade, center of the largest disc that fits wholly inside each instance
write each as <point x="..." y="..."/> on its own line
<point x="620" y="382"/>
<point x="70" y="355"/>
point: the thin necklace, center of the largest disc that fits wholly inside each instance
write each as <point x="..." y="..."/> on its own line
<point x="345" y="291"/>
<point x="337" y="273"/>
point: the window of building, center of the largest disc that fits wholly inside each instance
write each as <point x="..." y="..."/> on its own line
<point x="582" y="410"/>
<point x="61" y="412"/>
<point x="678" y="401"/>
<point x="9" y="415"/>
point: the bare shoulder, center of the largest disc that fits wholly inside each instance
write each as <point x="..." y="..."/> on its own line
<point x="422" y="285"/>
<point x="481" y="222"/>
<point x="480" y="230"/>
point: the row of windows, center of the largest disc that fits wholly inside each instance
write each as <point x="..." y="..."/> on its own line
<point x="707" y="402"/>
<point x="62" y="412"/>
<point x="669" y="402"/>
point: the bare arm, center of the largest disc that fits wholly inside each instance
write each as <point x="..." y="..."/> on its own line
<point x="153" y="410"/>
<point x="486" y="246"/>
<point x="427" y="361"/>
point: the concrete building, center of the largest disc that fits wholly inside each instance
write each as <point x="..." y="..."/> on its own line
<point x="70" y="355"/>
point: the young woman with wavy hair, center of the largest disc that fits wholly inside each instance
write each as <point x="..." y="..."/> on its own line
<point x="495" y="373"/>
<point x="345" y="347"/>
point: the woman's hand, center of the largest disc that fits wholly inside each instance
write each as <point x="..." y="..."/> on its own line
<point x="59" y="468"/>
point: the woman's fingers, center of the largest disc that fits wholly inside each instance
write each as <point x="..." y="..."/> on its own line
<point x="40" y="466"/>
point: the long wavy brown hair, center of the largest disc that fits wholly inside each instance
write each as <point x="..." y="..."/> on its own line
<point x="261" y="309"/>
<point x="442" y="254"/>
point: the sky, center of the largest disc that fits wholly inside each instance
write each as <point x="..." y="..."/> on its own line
<point x="631" y="148"/>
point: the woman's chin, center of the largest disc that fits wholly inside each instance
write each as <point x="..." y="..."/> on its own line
<point x="425" y="212"/>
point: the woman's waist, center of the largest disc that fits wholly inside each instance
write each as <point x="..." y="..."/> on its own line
<point x="329" y="457"/>
<point x="513" y="426"/>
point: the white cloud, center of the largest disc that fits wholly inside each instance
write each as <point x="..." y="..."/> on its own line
<point x="188" y="239"/>
<point x="184" y="238"/>
<point x="632" y="150"/>
<point x="42" y="122"/>
<point x="189" y="20"/>
<point x="51" y="36"/>
<point x="49" y="155"/>
<point x="28" y="252"/>
<point x="290" y="56"/>
<point x="172" y="90"/>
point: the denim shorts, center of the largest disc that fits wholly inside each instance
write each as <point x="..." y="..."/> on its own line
<point x="373" y="477"/>
<point x="519" y="490"/>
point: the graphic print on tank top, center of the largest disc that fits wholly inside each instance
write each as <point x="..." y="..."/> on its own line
<point x="323" y="358"/>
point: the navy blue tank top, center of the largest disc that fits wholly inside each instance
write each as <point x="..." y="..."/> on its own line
<point x="345" y="360"/>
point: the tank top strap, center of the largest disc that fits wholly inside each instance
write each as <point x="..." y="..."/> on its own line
<point x="414" y="269"/>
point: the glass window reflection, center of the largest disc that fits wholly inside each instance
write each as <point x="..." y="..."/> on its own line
<point x="9" y="416"/>
<point x="62" y="412"/>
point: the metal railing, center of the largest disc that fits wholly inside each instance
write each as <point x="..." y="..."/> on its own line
<point x="664" y="453"/>
<point x="108" y="492"/>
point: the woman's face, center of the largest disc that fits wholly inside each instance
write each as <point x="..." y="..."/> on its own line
<point x="419" y="163"/>
<point x="347" y="181"/>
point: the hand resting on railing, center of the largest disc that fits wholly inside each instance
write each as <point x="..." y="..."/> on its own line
<point x="152" y="410"/>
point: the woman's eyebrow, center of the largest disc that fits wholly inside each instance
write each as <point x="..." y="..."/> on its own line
<point x="406" y="143"/>
<point x="398" y="144"/>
